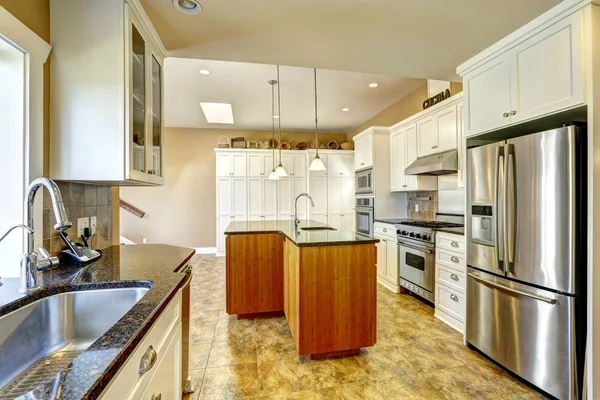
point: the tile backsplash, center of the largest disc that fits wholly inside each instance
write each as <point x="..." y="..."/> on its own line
<point x="80" y="200"/>
<point x="427" y="208"/>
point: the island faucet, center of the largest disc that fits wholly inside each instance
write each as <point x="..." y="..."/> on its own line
<point x="312" y="203"/>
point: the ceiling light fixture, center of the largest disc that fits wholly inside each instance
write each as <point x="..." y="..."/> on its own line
<point x="204" y="72"/>
<point x="345" y="109"/>
<point x="276" y="116"/>
<point x="273" y="175"/>
<point x="317" y="164"/>
<point x="187" y="6"/>
<point x="374" y="84"/>
<point x="217" y="113"/>
<point x="280" y="170"/>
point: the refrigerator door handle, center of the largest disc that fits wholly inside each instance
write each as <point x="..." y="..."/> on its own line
<point x="509" y="212"/>
<point x="497" y="234"/>
<point x="511" y="290"/>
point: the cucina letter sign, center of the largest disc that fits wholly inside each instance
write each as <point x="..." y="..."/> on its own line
<point x="436" y="99"/>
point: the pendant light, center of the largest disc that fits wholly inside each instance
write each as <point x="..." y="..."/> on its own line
<point x="273" y="175"/>
<point x="317" y="164"/>
<point x="280" y="170"/>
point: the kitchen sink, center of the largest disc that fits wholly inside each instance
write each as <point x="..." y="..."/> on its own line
<point x="318" y="228"/>
<point x="39" y="340"/>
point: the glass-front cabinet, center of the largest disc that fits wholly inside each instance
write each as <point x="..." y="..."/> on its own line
<point x="146" y="106"/>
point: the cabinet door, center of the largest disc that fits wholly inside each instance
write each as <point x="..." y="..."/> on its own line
<point x="285" y="205"/>
<point x="334" y="196"/>
<point x="335" y="221"/>
<point x="363" y="154"/>
<point x="346" y="196"/>
<point x="139" y="98"/>
<point x="238" y="197"/>
<point x="299" y="186"/>
<point x="224" y="164"/>
<point x="487" y="97"/>
<point x="223" y="222"/>
<point x="334" y="164"/>
<point x="397" y="161"/>
<point x="447" y="132"/>
<point x="349" y="221"/>
<point x="255" y="197"/>
<point x="166" y="381"/>
<point x="462" y="147"/>
<point x="318" y="191"/>
<point x="269" y="199"/>
<point x="255" y="165"/>
<point x="381" y="256"/>
<point x="298" y="168"/>
<point x="157" y="140"/>
<point x="224" y="196"/>
<point x="267" y="164"/>
<point x="358" y="154"/>
<point x="238" y="164"/>
<point x="412" y="181"/>
<point x="322" y="218"/>
<point x="347" y="164"/>
<point x="547" y="71"/>
<point x="426" y="136"/>
<point x="392" y="261"/>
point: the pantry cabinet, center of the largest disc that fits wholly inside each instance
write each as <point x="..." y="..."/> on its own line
<point x="317" y="188"/>
<point x="288" y="190"/>
<point x="532" y="77"/>
<point x="340" y="165"/>
<point x="341" y="203"/>
<point x="258" y="165"/>
<point x="114" y="135"/>
<point x="262" y="199"/>
<point x="294" y="164"/>
<point x="462" y="147"/>
<point x="231" y="164"/>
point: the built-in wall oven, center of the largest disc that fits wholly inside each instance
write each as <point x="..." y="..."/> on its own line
<point x="365" y="207"/>
<point x="364" y="182"/>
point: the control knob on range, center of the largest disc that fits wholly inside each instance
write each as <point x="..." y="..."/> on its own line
<point x="426" y="237"/>
<point x="418" y="236"/>
<point x="404" y="233"/>
<point x="412" y="234"/>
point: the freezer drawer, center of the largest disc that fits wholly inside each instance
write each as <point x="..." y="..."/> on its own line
<point x="527" y="330"/>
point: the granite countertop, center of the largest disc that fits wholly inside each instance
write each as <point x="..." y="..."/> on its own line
<point x="153" y="266"/>
<point x="455" y="231"/>
<point x="301" y="238"/>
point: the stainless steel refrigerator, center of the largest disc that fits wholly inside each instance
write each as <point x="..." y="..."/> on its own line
<point x="526" y="203"/>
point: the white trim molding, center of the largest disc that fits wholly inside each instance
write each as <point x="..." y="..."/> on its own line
<point x="206" y="250"/>
<point x="36" y="52"/>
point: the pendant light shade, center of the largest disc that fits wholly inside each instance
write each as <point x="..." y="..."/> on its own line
<point x="273" y="175"/>
<point x="280" y="170"/>
<point x="317" y="164"/>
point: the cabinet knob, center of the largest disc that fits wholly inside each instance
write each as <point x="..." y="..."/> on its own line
<point x="384" y="230"/>
<point x="505" y="115"/>
<point x="454" y="297"/>
<point x="454" y="244"/>
<point x="158" y="397"/>
<point x="454" y="277"/>
<point x="362" y="163"/>
<point x="454" y="259"/>
<point x="513" y="112"/>
<point x="148" y="360"/>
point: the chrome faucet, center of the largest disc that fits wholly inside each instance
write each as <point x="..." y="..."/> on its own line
<point x="312" y="203"/>
<point x="30" y="262"/>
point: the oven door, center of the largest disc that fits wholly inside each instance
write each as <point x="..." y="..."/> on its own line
<point x="364" y="221"/>
<point x="416" y="265"/>
<point x="364" y="182"/>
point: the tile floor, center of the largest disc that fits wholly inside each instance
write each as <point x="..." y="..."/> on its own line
<point x="416" y="355"/>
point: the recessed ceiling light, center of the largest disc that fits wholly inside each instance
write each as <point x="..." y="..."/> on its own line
<point x="205" y="72"/>
<point x="217" y="113"/>
<point x="187" y="6"/>
<point x="345" y="109"/>
<point x="374" y="84"/>
<point x="275" y="116"/>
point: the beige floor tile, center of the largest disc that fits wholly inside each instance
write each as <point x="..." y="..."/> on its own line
<point x="231" y="353"/>
<point x="230" y="382"/>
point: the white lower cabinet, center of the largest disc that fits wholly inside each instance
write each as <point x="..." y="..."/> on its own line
<point x="387" y="256"/>
<point x="162" y="378"/>
<point x="450" y="279"/>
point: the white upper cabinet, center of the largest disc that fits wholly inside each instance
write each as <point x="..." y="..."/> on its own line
<point x="529" y="77"/>
<point x="294" y="164"/>
<point x="259" y="164"/>
<point x="317" y="188"/>
<point x="397" y="161"/>
<point x="340" y="164"/>
<point x="437" y="132"/>
<point x="426" y="136"/>
<point x="232" y="164"/>
<point x="113" y="135"/>
<point x="363" y="152"/>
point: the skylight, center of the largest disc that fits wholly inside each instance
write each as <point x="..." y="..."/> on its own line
<point x="217" y="113"/>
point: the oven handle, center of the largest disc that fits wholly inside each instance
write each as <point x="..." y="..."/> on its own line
<point x="415" y="248"/>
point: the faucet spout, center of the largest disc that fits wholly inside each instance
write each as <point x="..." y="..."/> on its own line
<point x="312" y="203"/>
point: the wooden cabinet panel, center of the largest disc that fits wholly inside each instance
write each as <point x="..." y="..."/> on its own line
<point x="426" y="136"/>
<point x="291" y="283"/>
<point x="254" y="273"/>
<point x="487" y="97"/>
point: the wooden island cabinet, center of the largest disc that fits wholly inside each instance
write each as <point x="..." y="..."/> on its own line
<point x="323" y="281"/>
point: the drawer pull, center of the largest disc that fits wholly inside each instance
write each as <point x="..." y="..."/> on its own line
<point x="454" y="259"/>
<point x="454" y="277"/>
<point x="454" y="297"/>
<point x="159" y="397"/>
<point x="384" y="230"/>
<point x="454" y="244"/>
<point x="148" y="360"/>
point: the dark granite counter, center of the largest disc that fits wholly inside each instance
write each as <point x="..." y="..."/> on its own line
<point x="296" y="234"/>
<point x="455" y="231"/>
<point x="153" y="266"/>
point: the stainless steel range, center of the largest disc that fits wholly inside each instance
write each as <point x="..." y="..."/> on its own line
<point x="416" y="249"/>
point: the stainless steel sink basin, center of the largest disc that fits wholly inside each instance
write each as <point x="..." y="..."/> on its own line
<point x="318" y="228"/>
<point x="42" y="338"/>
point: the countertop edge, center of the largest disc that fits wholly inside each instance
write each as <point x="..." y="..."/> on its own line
<point x="317" y="244"/>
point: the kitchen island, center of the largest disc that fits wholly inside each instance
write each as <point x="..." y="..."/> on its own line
<point x="323" y="280"/>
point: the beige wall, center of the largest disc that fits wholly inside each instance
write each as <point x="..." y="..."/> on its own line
<point x="406" y="107"/>
<point x="183" y="211"/>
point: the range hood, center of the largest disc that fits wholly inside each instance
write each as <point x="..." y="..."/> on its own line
<point x="436" y="164"/>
